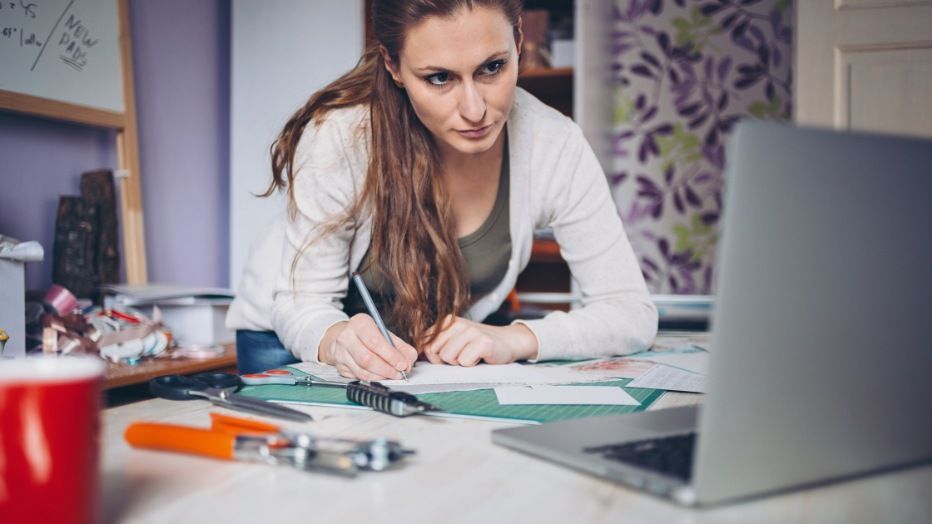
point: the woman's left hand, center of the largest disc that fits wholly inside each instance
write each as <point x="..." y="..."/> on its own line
<point x="463" y="342"/>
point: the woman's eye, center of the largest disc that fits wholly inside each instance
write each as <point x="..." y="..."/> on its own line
<point x="438" y="79"/>
<point x="493" y="67"/>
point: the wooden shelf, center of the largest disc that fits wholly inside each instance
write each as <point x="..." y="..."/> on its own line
<point x="546" y="251"/>
<point x="553" y="86"/>
<point x="547" y="271"/>
<point x="546" y="72"/>
<point x="120" y="374"/>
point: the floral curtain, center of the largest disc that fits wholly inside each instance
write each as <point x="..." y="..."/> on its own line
<point x="685" y="72"/>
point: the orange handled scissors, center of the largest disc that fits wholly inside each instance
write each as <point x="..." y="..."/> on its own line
<point x="234" y="438"/>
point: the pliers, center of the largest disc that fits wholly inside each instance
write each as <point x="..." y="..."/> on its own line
<point x="234" y="438"/>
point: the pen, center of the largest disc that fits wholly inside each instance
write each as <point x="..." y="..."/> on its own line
<point x="374" y="313"/>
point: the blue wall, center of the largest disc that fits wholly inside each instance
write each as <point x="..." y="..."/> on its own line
<point x="181" y="53"/>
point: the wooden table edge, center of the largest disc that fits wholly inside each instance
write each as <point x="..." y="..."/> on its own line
<point x="119" y="375"/>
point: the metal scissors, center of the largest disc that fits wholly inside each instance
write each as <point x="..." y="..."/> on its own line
<point x="219" y="389"/>
<point x="372" y="394"/>
<point x="288" y="378"/>
<point x="233" y="438"/>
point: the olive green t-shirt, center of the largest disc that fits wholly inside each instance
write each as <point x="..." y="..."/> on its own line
<point x="486" y="252"/>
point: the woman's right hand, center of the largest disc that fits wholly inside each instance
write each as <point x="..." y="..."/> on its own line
<point x="358" y="350"/>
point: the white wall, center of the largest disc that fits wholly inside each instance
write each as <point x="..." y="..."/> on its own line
<point x="282" y="51"/>
<point x="593" y="105"/>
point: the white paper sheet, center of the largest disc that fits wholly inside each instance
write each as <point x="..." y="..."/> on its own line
<point x="570" y="374"/>
<point x="425" y="373"/>
<point x="435" y="378"/>
<point x="321" y="371"/>
<point x="440" y="388"/>
<point x="603" y="395"/>
<point x="682" y="341"/>
<point x="671" y="379"/>
<point x="609" y="368"/>
<point x="694" y="360"/>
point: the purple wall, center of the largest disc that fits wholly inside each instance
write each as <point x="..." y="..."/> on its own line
<point x="40" y="160"/>
<point x="181" y="53"/>
<point x="181" y="58"/>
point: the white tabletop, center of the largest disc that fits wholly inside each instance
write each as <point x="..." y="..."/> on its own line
<point x="457" y="475"/>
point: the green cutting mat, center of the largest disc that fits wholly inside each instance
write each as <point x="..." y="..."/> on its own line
<point x="476" y="403"/>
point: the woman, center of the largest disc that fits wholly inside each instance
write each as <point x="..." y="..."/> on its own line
<point x="427" y="170"/>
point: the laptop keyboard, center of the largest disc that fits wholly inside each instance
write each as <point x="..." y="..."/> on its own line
<point x="672" y="456"/>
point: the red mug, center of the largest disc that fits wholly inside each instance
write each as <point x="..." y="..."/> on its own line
<point x="50" y="439"/>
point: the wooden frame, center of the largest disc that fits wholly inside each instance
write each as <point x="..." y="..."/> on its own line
<point x="127" y="146"/>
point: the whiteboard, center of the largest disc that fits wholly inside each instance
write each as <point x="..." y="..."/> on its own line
<point x="64" y="50"/>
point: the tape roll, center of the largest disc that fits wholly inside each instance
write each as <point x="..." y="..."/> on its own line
<point x="60" y="300"/>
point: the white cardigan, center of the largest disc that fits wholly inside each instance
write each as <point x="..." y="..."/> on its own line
<point x="556" y="182"/>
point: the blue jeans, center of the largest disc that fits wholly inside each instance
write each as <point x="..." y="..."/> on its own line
<point x="258" y="351"/>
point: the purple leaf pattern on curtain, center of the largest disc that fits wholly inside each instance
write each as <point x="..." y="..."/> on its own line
<point x="685" y="71"/>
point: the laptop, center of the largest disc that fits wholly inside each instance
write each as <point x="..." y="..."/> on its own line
<point x="821" y="362"/>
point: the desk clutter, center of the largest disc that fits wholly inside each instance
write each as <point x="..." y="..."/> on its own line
<point x="370" y="394"/>
<point x="487" y="391"/>
<point x="233" y="438"/>
<point x="58" y="323"/>
<point x="83" y="312"/>
<point x="220" y="389"/>
<point x="529" y="393"/>
<point x="195" y="314"/>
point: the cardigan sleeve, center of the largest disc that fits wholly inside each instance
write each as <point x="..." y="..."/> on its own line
<point x="313" y="277"/>
<point x="617" y="315"/>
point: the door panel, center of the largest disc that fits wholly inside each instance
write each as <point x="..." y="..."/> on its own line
<point x="865" y="65"/>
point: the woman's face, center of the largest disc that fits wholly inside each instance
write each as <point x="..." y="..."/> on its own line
<point x="460" y="73"/>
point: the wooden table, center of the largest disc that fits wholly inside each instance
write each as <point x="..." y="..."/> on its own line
<point x="457" y="475"/>
<point x="120" y="374"/>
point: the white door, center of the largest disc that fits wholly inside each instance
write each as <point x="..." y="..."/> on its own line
<point x="865" y="65"/>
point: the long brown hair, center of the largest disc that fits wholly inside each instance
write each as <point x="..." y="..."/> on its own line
<point x="414" y="241"/>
